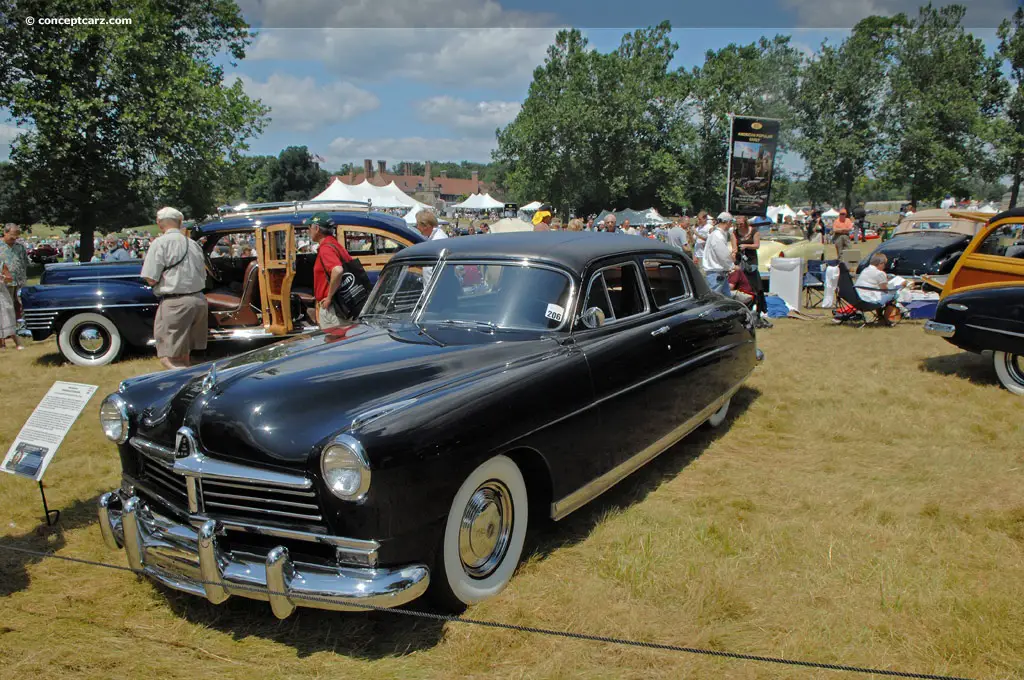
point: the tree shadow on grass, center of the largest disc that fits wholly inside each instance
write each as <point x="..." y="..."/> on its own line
<point x="977" y="368"/>
<point x="575" y="528"/>
<point x="14" y="575"/>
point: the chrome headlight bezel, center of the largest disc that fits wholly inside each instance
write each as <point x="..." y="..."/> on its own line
<point x="345" y="454"/>
<point x="114" y="410"/>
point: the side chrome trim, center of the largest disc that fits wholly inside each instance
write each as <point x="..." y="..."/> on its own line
<point x="995" y="330"/>
<point x="943" y="330"/>
<point x="103" y="278"/>
<point x="98" y="306"/>
<point x="163" y="453"/>
<point x="198" y="465"/>
<point x="596" y="487"/>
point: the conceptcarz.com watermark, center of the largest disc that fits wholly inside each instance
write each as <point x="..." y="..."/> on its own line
<point x="78" y="21"/>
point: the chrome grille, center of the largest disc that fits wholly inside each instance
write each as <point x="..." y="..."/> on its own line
<point x="255" y="501"/>
<point x="39" y="319"/>
<point x="158" y="476"/>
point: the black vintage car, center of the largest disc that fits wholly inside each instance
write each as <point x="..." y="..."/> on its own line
<point x="489" y="379"/>
<point x="982" y="305"/>
<point x="926" y="243"/>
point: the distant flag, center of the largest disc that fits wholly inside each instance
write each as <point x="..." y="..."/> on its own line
<point x="319" y="159"/>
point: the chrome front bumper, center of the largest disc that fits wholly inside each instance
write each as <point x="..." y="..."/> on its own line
<point x="943" y="330"/>
<point x="189" y="559"/>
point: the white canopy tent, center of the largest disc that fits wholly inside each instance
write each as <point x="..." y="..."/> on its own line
<point x="830" y="214"/>
<point x="776" y="213"/>
<point x="989" y="208"/>
<point x="531" y="207"/>
<point x="509" y="225"/>
<point x="338" y="191"/>
<point x="480" y="202"/>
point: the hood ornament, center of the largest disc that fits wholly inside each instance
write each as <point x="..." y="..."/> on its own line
<point x="210" y="381"/>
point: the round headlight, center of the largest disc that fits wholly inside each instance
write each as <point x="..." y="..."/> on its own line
<point x="114" y="418"/>
<point x="345" y="470"/>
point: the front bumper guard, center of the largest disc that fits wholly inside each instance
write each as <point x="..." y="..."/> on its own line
<point x="189" y="559"/>
<point x="943" y="330"/>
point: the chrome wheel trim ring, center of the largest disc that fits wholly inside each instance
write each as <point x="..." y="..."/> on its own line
<point x="485" y="529"/>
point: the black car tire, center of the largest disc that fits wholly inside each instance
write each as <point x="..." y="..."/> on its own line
<point x="89" y="339"/>
<point x="718" y="417"/>
<point x="494" y="495"/>
<point x="1010" y="369"/>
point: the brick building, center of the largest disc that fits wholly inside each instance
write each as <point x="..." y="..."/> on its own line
<point x="425" y="187"/>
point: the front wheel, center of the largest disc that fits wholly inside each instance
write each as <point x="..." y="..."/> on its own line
<point x="1010" y="369"/>
<point x="483" y="536"/>
<point x="89" y="339"/>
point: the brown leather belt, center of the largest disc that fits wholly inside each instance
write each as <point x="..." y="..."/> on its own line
<point x="169" y="296"/>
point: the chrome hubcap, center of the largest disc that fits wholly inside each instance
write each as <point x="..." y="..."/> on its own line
<point x="91" y="340"/>
<point x="485" y="529"/>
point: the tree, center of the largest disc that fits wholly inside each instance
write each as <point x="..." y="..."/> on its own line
<point x="122" y="116"/>
<point x="295" y="176"/>
<point x="944" y="94"/>
<point x="759" y="79"/>
<point x="840" y="103"/>
<point x="1010" y="130"/>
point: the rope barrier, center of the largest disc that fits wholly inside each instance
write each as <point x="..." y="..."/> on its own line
<point x="528" y="629"/>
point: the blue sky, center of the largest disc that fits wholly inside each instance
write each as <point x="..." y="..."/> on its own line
<point x="416" y="79"/>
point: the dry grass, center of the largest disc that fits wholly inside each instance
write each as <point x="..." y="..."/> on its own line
<point x="863" y="505"/>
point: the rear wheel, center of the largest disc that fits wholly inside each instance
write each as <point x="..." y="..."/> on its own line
<point x="89" y="339"/>
<point x="1010" y="369"/>
<point x="483" y="537"/>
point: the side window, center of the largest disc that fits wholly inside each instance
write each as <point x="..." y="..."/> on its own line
<point x="668" y="282"/>
<point x="617" y="292"/>
<point x="358" y="243"/>
<point x="234" y="245"/>
<point x="385" y="245"/>
<point x="1006" y="241"/>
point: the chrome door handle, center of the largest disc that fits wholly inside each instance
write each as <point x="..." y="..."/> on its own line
<point x="659" y="331"/>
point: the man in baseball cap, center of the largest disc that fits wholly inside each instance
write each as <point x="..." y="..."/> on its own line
<point x="328" y="268"/>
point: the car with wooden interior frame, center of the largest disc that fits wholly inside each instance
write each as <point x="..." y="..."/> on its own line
<point x="489" y="381"/>
<point x="95" y="310"/>
<point x="981" y="307"/>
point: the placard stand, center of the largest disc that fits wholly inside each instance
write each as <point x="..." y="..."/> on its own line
<point x="46" y="509"/>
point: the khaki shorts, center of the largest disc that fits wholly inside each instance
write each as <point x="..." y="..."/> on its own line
<point x="181" y="325"/>
<point x="328" y="319"/>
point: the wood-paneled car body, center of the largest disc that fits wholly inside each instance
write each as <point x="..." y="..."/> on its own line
<point x="489" y="379"/>
<point x="96" y="309"/>
<point x="982" y="302"/>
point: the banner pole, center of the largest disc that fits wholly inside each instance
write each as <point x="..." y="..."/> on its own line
<point x="728" y="165"/>
<point x="46" y="509"/>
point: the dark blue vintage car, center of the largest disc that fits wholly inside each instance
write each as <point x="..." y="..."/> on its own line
<point x="490" y="381"/>
<point x="96" y="309"/>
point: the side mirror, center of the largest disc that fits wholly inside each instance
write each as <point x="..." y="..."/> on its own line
<point x="592" y="318"/>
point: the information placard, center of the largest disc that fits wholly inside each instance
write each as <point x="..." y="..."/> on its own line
<point x="36" y="444"/>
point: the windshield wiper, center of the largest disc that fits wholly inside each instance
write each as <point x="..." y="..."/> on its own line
<point x="489" y="325"/>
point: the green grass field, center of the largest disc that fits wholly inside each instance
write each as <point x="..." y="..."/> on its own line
<point x="863" y="504"/>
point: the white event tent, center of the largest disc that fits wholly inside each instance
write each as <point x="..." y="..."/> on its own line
<point x="338" y="191"/>
<point x="531" y="207"/>
<point x="480" y="202"/>
<point x="777" y="213"/>
<point x="990" y="208"/>
<point x="830" y="214"/>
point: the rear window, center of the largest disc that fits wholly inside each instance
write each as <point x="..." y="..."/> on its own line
<point x="668" y="283"/>
<point x="1006" y="241"/>
<point x="923" y="226"/>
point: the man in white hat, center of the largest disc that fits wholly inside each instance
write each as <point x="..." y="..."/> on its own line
<point x="718" y="259"/>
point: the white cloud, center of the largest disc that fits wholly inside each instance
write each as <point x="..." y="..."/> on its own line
<point x="361" y="14"/>
<point x="846" y="13"/>
<point x="487" y="57"/>
<point x="7" y="135"/>
<point x="467" y="117"/>
<point x="303" y="105"/>
<point x="344" y="149"/>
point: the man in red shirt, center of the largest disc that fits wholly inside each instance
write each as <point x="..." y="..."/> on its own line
<point x="327" y="270"/>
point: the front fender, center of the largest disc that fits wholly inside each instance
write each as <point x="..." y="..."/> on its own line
<point x="131" y="305"/>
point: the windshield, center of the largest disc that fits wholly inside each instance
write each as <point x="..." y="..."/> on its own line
<point x="474" y="294"/>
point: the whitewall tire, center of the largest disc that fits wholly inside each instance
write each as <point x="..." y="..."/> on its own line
<point x="718" y="417"/>
<point x="483" y="535"/>
<point x="89" y="339"/>
<point x="1010" y="369"/>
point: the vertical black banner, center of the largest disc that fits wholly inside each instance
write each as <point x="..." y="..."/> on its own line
<point x="752" y="146"/>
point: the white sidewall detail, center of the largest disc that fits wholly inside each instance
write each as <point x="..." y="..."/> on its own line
<point x="466" y="588"/>
<point x="69" y="326"/>
<point x="1008" y="381"/>
<point x="718" y="417"/>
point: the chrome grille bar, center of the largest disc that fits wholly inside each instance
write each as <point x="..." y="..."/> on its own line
<point x="262" y="511"/>
<point x="212" y="494"/>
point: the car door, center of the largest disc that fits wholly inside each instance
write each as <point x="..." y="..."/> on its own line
<point x="994" y="258"/>
<point x="627" y="355"/>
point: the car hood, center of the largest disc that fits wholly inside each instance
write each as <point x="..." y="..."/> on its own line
<point x="276" y="404"/>
<point x="918" y="253"/>
<point x="83" y="272"/>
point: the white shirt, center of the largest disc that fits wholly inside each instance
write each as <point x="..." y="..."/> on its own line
<point x="948" y="203"/>
<point x="631" y="231"/>
<point x="189" y="276"/>
<point x="871" y="277"/>
<point x="701" y="239"/>
<point x="437" y="234"/>
<point x="717" y="254"/>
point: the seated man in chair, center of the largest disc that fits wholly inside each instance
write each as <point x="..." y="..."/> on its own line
<point x="873" y="283"/>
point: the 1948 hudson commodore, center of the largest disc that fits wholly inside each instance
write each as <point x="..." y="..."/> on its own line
<point x="488" y="379"/>
<point x="96" y="309"/>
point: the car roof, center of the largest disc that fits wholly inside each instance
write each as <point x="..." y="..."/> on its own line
<point x="573" y="250"/>
<point x="241" y="222"/>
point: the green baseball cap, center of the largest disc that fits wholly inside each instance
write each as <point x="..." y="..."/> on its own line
<point x="320" y="219"/>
